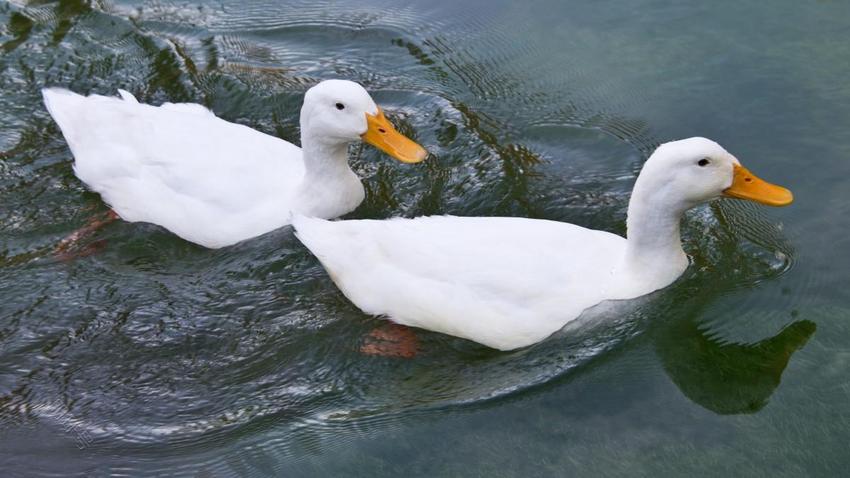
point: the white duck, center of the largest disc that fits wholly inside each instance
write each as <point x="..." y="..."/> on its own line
<point x="511" y="282"/>
<point x="216" y="183"/>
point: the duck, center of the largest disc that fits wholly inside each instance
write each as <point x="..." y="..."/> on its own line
<point x="510" y="282"/>
<point x="217" y="183"/>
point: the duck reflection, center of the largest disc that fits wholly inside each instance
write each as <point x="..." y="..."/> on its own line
<point x="728" y="378"/>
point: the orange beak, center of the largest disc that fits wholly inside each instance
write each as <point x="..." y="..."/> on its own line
<point x="381" y="134"/>
<point x="746" y="185"/>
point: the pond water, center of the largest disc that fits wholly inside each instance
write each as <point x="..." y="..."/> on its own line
<point x="155" y="357"/>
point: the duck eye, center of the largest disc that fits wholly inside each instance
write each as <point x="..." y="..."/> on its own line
<point x="340" y="106"/>
<point x="703" y="162"/>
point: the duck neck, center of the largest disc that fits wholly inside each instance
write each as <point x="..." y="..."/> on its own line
<point x="654" y="245"/>
<point x="329" y="187"/>
<point x="324" y="160"/>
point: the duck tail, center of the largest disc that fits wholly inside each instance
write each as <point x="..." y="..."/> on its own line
<point x="66" y="107"/>
<point x="310" y="231"/>
<point x="61" y="104"/>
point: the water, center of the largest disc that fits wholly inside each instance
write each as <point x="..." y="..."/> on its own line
<point x="152" y="356"/>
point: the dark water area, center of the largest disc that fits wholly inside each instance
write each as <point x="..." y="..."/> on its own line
<point x="155" y="357"/>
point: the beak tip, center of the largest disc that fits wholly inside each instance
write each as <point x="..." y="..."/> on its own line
<point x="420" y="156"/>
<point x="783" y="197"/>
<point x="413" y="156"/>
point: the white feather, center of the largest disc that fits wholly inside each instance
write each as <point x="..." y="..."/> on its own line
<point x="503" y="282"/>
<point x="512" y="282"/>
<point x="210" y="181"/>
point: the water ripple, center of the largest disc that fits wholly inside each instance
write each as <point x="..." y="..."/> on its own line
<point x="158" y="350"/>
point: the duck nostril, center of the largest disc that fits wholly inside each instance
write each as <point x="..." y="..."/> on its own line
<point x="382" y="130"/>
<point x="748" y="179"/>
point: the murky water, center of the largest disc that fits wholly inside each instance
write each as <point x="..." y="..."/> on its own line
<point x="153" y="356"/>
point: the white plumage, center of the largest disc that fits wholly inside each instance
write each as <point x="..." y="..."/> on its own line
<point x="512" y="282"/>
<point x="503" y="282"/>
<point x="213" y="182"/>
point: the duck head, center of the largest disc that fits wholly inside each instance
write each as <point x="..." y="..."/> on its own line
<point x="339" y="112"/>
<point x="696" y="170"/>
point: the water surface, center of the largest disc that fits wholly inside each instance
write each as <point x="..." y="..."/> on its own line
<point x="152" y="356"/>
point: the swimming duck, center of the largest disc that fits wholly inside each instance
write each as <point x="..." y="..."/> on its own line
<point x="510" y="282"/>
<point x="216" y="183"/>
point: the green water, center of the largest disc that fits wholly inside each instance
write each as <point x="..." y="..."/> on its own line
<point x="154" y="357"/>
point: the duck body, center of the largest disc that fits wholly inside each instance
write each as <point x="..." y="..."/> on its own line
<point x="501" y="281"/>
<point x="511" y="282"/>
<point x="209" y="181"/>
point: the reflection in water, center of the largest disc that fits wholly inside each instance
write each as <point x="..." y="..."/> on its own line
<point x="67" y="14"/>
<point x="728" y="378"/>
<point x="20" y="27"/>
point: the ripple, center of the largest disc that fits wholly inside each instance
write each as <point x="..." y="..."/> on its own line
<point x="170" y="357"/>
